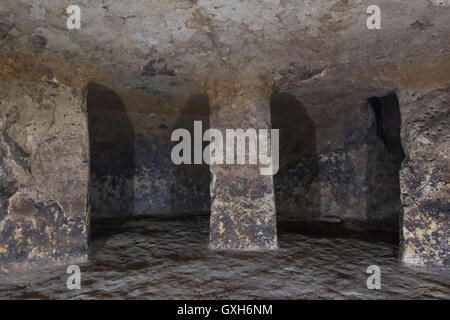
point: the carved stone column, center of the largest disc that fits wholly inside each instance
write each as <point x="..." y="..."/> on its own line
<point x="242" y="198"/>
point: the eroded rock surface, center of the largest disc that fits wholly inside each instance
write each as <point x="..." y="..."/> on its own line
<point x="425" y="177"/>
<point x="319" y="55"/>
<point x="44" y="174"/>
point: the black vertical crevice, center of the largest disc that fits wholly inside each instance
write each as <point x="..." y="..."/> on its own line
<point x="385" y="155"/>
<point x="375" y="104"/>
<point x="388" y="122"/>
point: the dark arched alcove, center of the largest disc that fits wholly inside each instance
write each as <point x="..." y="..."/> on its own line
<point x="134" y="185"/>
<point x="339" y="169"/>
<point x="297" y="191"/>
<point x="112" y="154"/>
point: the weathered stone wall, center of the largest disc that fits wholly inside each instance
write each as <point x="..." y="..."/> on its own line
<point x="44" y="164"/>
<point x="334" y="164"/>
<point x="131" y="169"/>
<point x="425" y="177"/>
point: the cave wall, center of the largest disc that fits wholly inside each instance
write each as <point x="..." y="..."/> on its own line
<point x="162" y="187"/>
<point x="334" y="166"/>
<point x="44" y="164"/>
<point x="131" y="169"/>
<point x="425" y="176"/>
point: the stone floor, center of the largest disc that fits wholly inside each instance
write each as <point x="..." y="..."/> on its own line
<point x="167" y="258"/>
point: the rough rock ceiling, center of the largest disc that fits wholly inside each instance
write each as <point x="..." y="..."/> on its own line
<point x="302" y="46"/>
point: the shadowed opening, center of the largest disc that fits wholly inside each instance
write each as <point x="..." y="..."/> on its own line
<point x="385" y="156"/>
<point x="339" y="170"/>
<point x="134" y="185"/>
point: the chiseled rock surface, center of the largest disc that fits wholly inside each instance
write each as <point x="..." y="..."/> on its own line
<point x="146" y="42"/>
<point x="163" y="48"/>
<point x="242" y="200"/>
<point x="43" y="174"/>
<point x="425" y="176"/>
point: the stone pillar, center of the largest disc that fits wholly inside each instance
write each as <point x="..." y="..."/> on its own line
<point x="242" y="200"/>
<point x="44" y="174"/>
<point x="425" y="177"/>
